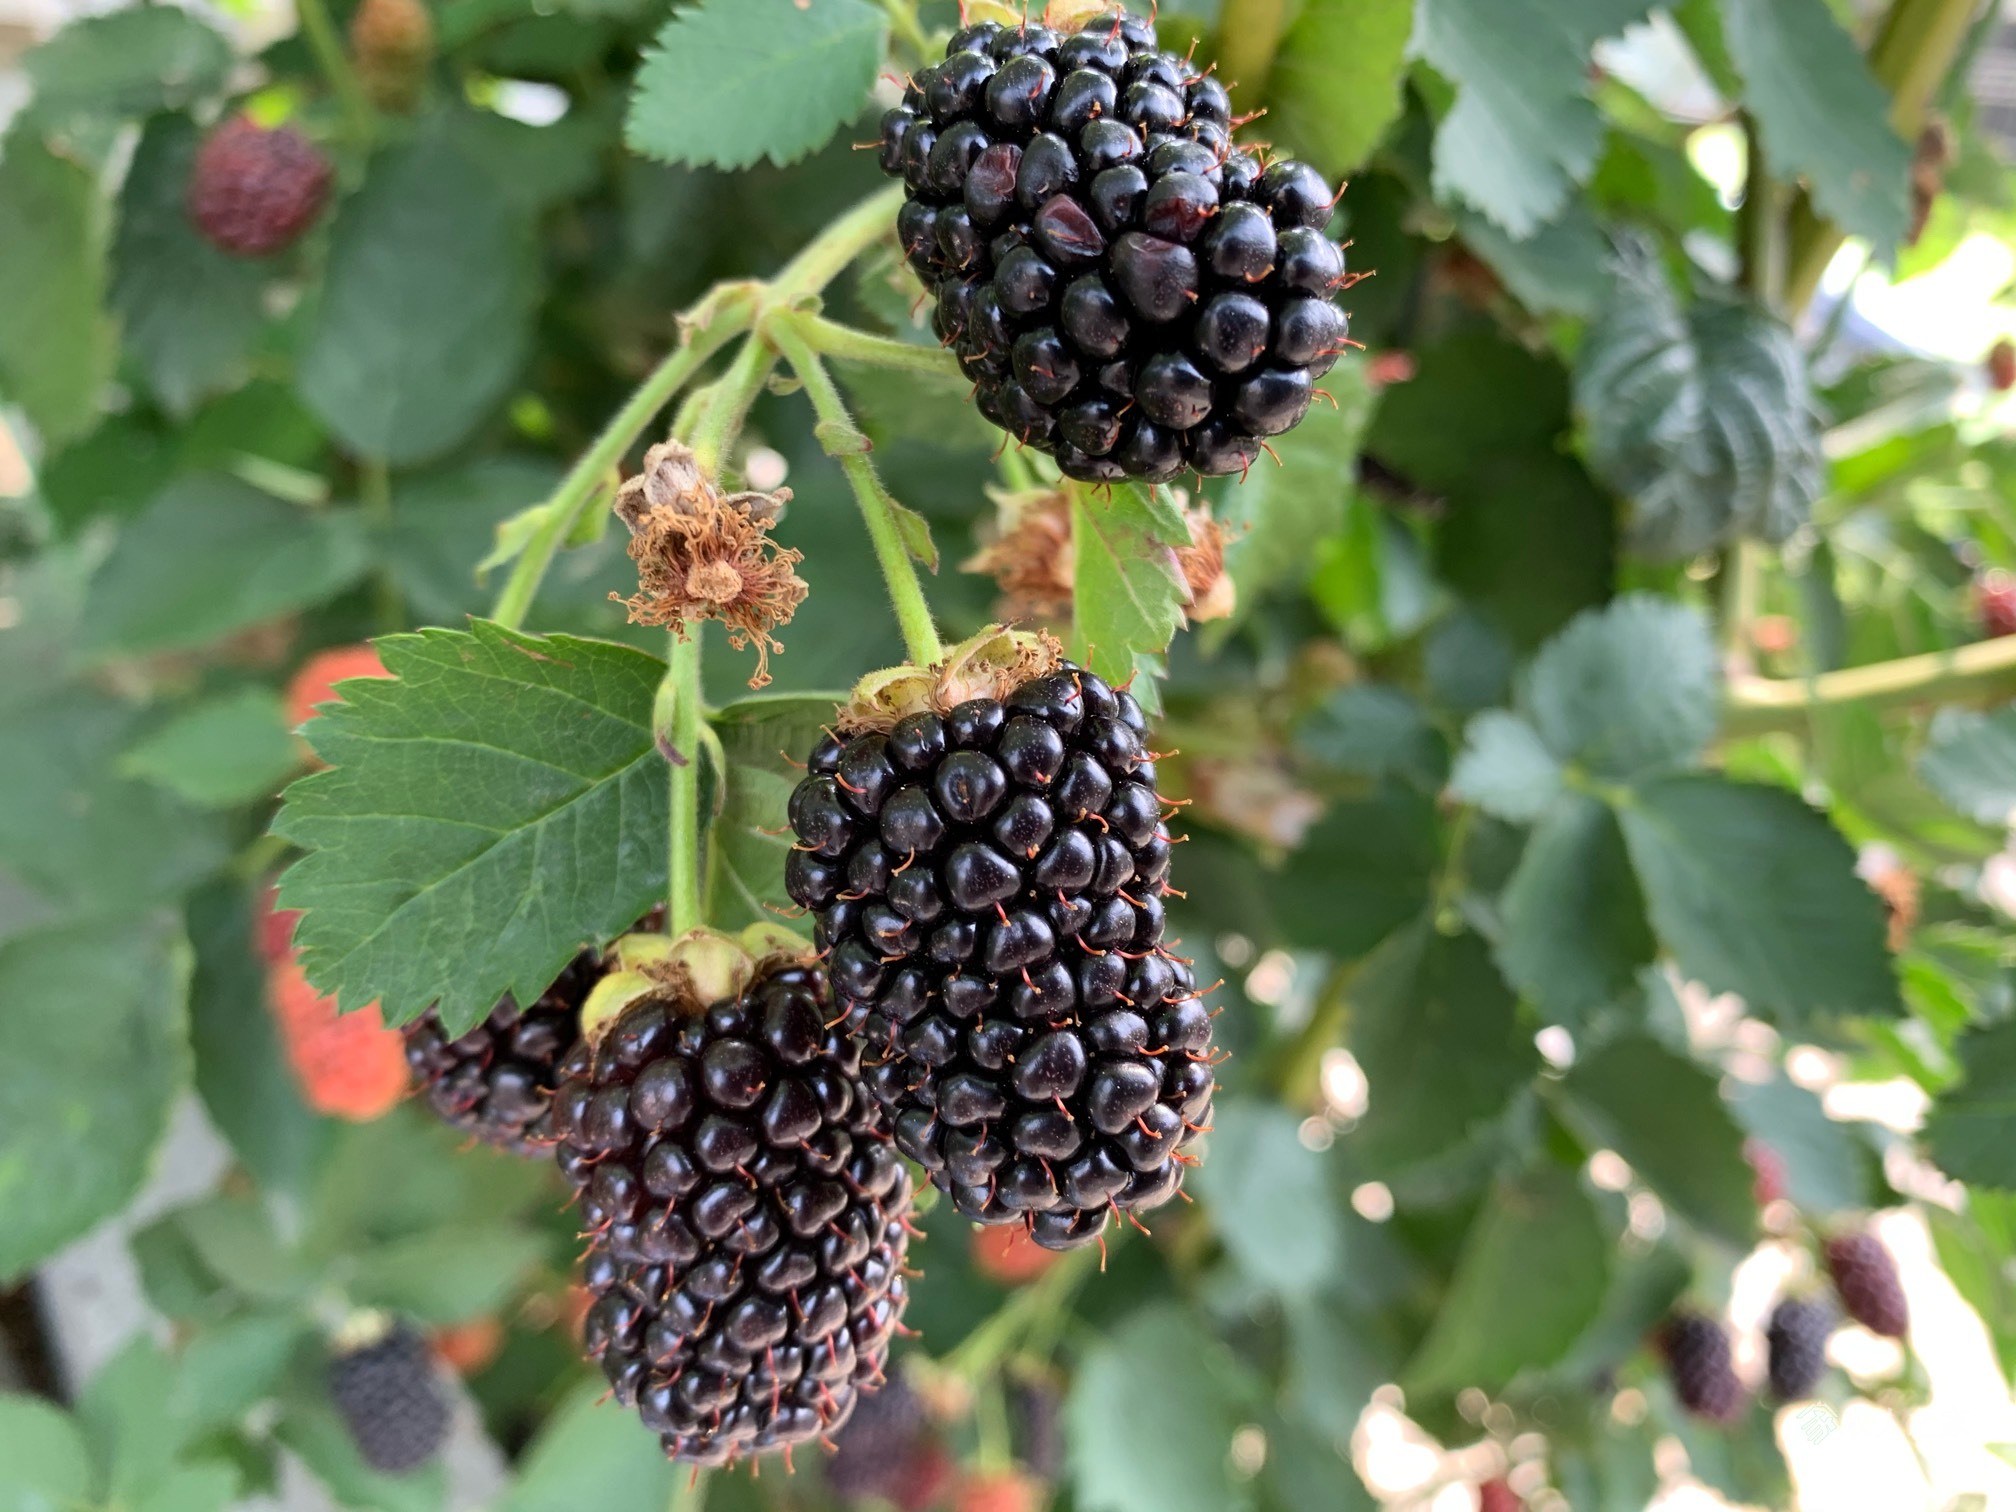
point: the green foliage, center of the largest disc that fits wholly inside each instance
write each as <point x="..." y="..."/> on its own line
<point x="1128" y="589"/>
<point x="1970" y="1130"/>
<point x="732" y="82"/>
<point x="230" y="750"/>
<point x="1336" y="82"/>
<point x="521" y="822"/>
<point x="55" y="342"/>
<point x="1971" y="763"/>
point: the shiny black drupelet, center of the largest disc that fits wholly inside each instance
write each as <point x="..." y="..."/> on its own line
<point x="988" y="885"/>
<point x="746" y="1215"/>
<point x="1128" y="291"/>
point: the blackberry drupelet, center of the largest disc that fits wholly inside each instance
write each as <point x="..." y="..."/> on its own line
<point x="390" y="1399"/>
<point x="1698" y="1359"/>
<point x="253" y="191"/>
<point x="496" y="1082"/>
<point x="1865" y="1278"/>
<point x="988" y="883"/>
<point x="1796" y="1338"/>
<point x="745" y="1208"/>
<point x="1128" y="291"/>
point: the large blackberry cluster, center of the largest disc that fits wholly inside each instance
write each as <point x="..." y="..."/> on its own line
<point x="1796" y="1341"/>
<point x="1865" y="1278"/>
<point x="1703" y="1372"/>
<point x="746" y="1213"/>
<point x="390" y="1400"/>
<point x="253" y="191"/>
<point x="988" y="884"/>
<point x="496" y="1082"/>
<point x="1130" y="293"/>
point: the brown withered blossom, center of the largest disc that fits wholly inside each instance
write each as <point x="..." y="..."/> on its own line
<point x="702" y="554"/>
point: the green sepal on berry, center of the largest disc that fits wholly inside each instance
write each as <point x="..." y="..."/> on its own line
<point x="688" y="973"/>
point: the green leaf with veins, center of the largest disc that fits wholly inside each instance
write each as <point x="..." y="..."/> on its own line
<point x="1628" y="690"/>
<point x="1127" y="591"/>
<point x="1575" y="933"/>
<point x="1822" y="115"/>
<point x="731" y="82"/>
<point x="488" y="810"/>
<point x="1269" y="1198"/>
<point x="764" y="739"/>
<point x="1755" y="893"/>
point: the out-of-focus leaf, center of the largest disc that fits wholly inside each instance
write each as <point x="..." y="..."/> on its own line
<point x="1360" y="873"/>
<point x="105" y="1004"/>
<point x="488" y="808"/>
<point x="1268" y="1196"/>
<point x="1575" y="930"/>
<point x="1505" y="768"/>
<point x="1977" y="1251"/>
<point x="43" y="1463"/>
<point x="1306" y="1470"/>
<point x="1828" y="1168"/>
<point x="730" y="82"/>
<point x="1335" y="84"/>
<point x="56" y="345"/>
<point x="591" y="1453"/>
<point x="761" y="737"/>
<point x="1702" y="416"/>
<point x="127" y="63"/>
<point x="448" y="1276"/>
<point x="1972" y="1130"/>
<point x="1558" y="270"/>
<point x="222" y="752"/>
<point x="1373" y="730"/>
<point x="1627" y="690"/>
<point x="1971" y="763"/>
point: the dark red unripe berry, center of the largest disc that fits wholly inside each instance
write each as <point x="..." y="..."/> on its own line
<point x="1865" y="1278"/>
<point x="1496" y="1496"/>
<point x="253" y="191"/>
<point x="1699" y="1364"/>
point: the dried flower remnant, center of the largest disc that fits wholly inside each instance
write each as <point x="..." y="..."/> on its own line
<point x="702" y="554"/>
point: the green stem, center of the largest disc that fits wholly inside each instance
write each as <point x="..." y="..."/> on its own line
<point x="903" y="18"/>
<point x="1249" y="31"/>
<point x="727" y="403"/>
<point x="374" y="489"/>
<point x="983" y="1350"/>
<point x="1742" y="592"/>
<point x="680" y="745"/>
<point x="334" y="62"/>
<point x="844" y="343"/>
<point x="1756" y="705"/>
<point x="1914" y="47"/>
<point x="713" y="324"/>
<point x="906" y="593"/>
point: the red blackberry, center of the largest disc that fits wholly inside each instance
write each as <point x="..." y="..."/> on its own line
<point x="745" y="1208"/>
<point x="1698" y="1359"/>
<point x="1865" y="1277"/>
<point x="1796" y="1336"/>
<point x="496" y="1082"/>
<point x="388" y="1395"/>
<point x="253" y="191"/>
<point x="1497" y="1496"/>
<point x="987" y="876"/>
<point x="1130" y="293"/>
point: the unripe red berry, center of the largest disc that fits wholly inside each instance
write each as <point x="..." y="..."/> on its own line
<point x="253" y="191"/>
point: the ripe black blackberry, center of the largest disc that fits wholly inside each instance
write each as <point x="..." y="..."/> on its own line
<point x="1865" y="1278"/>
<point x="889" y="1451"/>
<point x="745" y="1208"/>
<point x="1130" y="293"/>
<point x="1796" y="1337"/>
<point x="1698" y="1361"/>
<point x="253" y="191"/>
<point x="496" y="1082"/>
<point x="385" y="1388"/>
<point x="987" y="882"/>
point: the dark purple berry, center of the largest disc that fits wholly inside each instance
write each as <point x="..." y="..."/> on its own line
<point x="1865" y="1278"/>
<point x="1796" y="1341"/>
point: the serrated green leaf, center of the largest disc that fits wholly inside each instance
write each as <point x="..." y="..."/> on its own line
<point x="1151" y="1417"/>
<point x="1665" y="1115"/>
<point x="129" y="63"/>
<point x="43" y="1462"/>
<point x="1575" y="931"/>
<point x="105" y="1003"/>
<point x="1497" y="1318"/>
<point x="220" y="753"/>
<point x="1505" y="768"/>
<point x="1972" y="1129"/>
<point x="189" y="314"/>
<point x="1756" y="894"/>
<point x="1628" y="690"/>
<point x="1127" y="591"/>
<point x="590" y="1453"/>
<point x="491" y="807"/>
<point x="56" y="345"/>
<point x="1437" y="1033"/>
<point x="1828" y="1167"/>
<point x="426" y="312"/>
<point x="211" y="555"/>
<point x="1703" y="416"/>
<point x="1971" y="763"/>
<point x="1475" y="395"/>
<point x="748" y="843"/>
<point x="1822" y="114"/>
<point x="1268" y="1197"/>
<point x="1335" y="84"/>
<point x="904" y="404"/>
<point x="730" y="82"/>
<point x="1523" y="130"/>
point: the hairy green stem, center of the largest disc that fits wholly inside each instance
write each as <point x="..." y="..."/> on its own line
<point x="727" y="403"/>
<point x="711" y="326"/>
<point x="844" y="343"/>
<point x="1913" y="48"/>
<point x="1249" y="31"/>
<point x="680" y="745"/>
<point x="903" y="20"/>
<point x="906" y="593"/>
<point x="335" y="64"/>
<point x="1756" y="705"/>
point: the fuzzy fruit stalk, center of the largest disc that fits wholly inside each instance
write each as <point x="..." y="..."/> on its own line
<point x="983" y="851"/>
<point x="745" y="1212"/>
